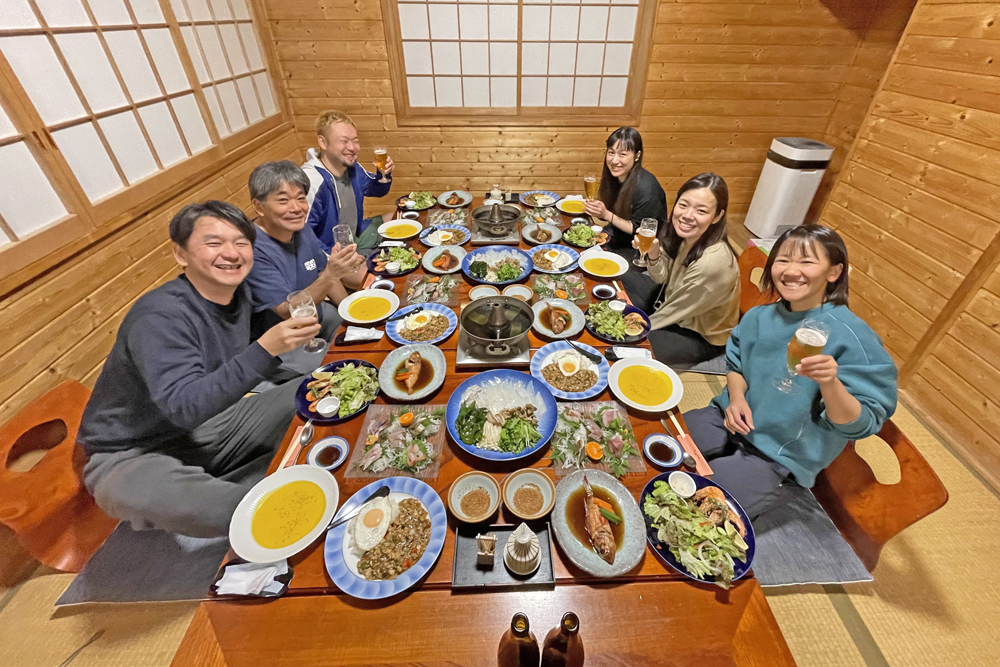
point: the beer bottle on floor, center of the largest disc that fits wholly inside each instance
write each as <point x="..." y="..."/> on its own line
<point x="518" y="646"/>
<point x="563" y="646"/>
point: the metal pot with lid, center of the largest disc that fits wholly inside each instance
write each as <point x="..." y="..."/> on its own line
<point x="496" y="219"/>
<point x="497" y="323"/>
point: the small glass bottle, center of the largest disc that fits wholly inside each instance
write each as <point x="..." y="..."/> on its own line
<point x="563" y="646"/>
<point x="518" y="646"/>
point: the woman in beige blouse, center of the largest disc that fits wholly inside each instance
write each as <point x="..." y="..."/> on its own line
<point x="694" y="303"/>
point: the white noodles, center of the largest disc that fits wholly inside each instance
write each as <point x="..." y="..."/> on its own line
<point x="500" y="395"/>
<point x="493" y="257"/>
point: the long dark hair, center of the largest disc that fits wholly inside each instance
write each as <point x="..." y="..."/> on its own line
<point x="805" y="239"/>
<point x="617" y="196"/>
<point x="716" y="232"/>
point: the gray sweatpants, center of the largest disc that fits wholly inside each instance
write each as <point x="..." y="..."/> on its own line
<point x="194" y="491"/>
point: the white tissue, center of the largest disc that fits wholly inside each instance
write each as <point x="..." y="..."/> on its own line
<point x="252" y="578"/>
<point x="362" y="333"/>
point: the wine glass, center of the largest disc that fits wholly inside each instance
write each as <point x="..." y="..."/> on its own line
<point x="808" y="340"/>
<point x="343" y="235"/>
<point x="646" y="234"/>
<point x="301" y="304"/>
<point x="381" y="158"/>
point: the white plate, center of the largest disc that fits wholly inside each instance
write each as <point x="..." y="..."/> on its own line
<point x="482" y="291"/>
<point x="575" y="326"/>
<point x="431" y="355"/>
<point x="562" y="202"/>
<point x="240" y="533"/>
<point x="601" y="254"/>
<point x="522" y="292"/>
<point x="345" y="305"/>
<point x="457" y="251"/>
<point x="414" y="224"/>
<point x="668" y="401"/>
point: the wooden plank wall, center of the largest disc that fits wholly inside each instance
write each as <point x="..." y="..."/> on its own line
<point x="918" y="202"/>
<point x="63" y="324"/>
<point x="725" y="77"/>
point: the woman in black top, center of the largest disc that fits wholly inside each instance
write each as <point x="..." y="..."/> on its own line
<point x="628" y="193"/>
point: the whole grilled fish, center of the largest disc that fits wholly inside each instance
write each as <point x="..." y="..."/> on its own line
<point x="598" y="527"/>
<point x="412" y="366"/>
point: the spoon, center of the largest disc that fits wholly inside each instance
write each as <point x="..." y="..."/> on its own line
<point x="595" y="358"/>
<point x="382" y="492"/>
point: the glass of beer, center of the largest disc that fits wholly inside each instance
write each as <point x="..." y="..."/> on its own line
<point x="590" y="186"/>
<point x="645" y="235"/>
<point x="301" y="304"/>
<point x="809" y="340"/>
<point x="381" y="157"/>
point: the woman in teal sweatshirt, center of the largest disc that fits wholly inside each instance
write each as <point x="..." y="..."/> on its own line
<point x="760" y="439"/>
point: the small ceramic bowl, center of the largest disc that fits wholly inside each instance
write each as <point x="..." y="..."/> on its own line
<point x="519" y="478"/>
<point x="522" y="292"/>
<point x="603" y="292"/>
<point x="677" y="453"/>
<point x="392" y="267"/>
<point x="328" y="406"/>
<point x="617" y="305"/>
<point x="468" y="482"/>
<point x="409" y="203"/>
<point x="328" y="453"/>
<point x="580" y="221"/>
<point x="411" y="215"/>
<point x="384" y="283"/>
<point x="482" y="291"/>
<point x="491" y="201"/>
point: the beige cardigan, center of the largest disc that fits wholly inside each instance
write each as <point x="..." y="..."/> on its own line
<point x="703" y="297"/>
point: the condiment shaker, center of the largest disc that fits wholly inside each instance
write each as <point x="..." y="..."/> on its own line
<point x="518" y="646"/>
<point x="563" y="646"/>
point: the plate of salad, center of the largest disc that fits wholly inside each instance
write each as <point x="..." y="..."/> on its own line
<point x="497" y="265"/>
<point x="407" y="258"/>
<point x="353" y="381"/>
<point x="607" y="324"/>
<point x="569" y="286"/>
<point x="399" y="439"/>
<point x="421" y="201"/>
<point x="707" y="537"/>
<point x="584" y="236"/>
<point x="597" y="435"/>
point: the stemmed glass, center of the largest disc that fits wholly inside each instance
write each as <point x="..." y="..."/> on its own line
<point x="646" y="234"/>
<point x="807" y="341"/>
<point x="381" y="158"/>
<point x="301" y="304"/>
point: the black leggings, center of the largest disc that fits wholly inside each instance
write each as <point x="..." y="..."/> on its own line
<point x="673" y="345"/>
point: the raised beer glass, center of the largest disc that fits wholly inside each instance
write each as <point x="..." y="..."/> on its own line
<point x="381" y="157"/>
<point x="590" y="186"/>
<point x="646" y="234"/>
<point x="809" y="340"/>
<point x="300" y="304"/>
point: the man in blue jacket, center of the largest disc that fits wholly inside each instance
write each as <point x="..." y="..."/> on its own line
<point x="338" y="184"/>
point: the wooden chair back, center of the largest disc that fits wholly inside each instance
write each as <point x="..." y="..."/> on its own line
<point x="869" y="513"/>
<point x="47" y="507"/>
<point x="752" y="261"/>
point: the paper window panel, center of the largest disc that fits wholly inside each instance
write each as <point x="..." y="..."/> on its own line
<point x="503" y="91"/>
<point x="621" y="24"/>
<point x="132" y="63"/>
<point x="92" y="70"/>
<point x="234" y="50"/>
<point x="212" y="99"/>
<point x="503" y="58"/>
<point x="110" y="12"/>
<point x="192" y="124"/>
<point x="590" y="58"/>
<point x="89" y="160"/>
<point x="587" y="91"/>
<point x="43" y="78"/>
<point x="413" y="22"/>
<point x="476" y="91"/>
<point x="63" y="13"/>
<point x="163" y="133"/>
<point x="420" y="90"/>
<point x="535" y="58"/>
<point x="17" y="14"/>
<point x="535" y="24"/>
<point x="250" y="46"/>
<point x="618" y="59"/>
<point x="27" y="201"/>
<point x="475" y="58"/>
<point x="231" y="105"/>
<point x="448" y="90"/>
<point x="212" y="51"/>
<point x="503" y="23"/>
<point x="474" y="22"/>
<point x="560" y="91"/>
<point x="221" y="10"/>
<point x="168" y="63"/>
<point x="240" y="10"/>
<point x="417" y="57"/>
<point x="7" y="128"/>
<point x="444" y="21"/>
<point x="263" y="82"/>
<point x="533" y="91"/>
<point x="249" y="98"/>
<point x="191" y="42"/>
<point x="199" y="10"/>
<point x="593" y="23"/>
<point x="447" y="59"/>
<point x="565" y="23"/>
<point x="180" y="10"/>
<point x="562" y="58"/>
<point x="613" y="91"/>
<point x="129" y="146"/>
<point x="4" y="240"/>
<point x="147" y="11"/>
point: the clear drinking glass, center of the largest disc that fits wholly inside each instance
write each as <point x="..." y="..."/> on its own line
<point x="343" y="235"/>
<point x="381" y="157"/>
<point x="808" y="340"/>
<point x="301" y="304"/>
<point x="645" y="234"/>
<point x="590" y="186"/>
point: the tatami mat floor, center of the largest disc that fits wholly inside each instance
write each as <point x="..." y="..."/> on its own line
<point x="933" y="601"/>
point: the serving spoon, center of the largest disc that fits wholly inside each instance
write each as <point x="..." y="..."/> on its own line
<point x="406" y="314"/>
<point x="381" y="492"/>
<point x="595" y="358"/>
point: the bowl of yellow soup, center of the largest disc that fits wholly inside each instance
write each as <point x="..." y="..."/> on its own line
<point x="283" y="513"/>
<point x="368" y="306"/>
<point x="400" y="230"/>
<point x="572" y="204"/>
<point x="645" y="384"/>
<point x="605" y="265"/>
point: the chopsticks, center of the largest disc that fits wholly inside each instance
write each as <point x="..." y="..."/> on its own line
<point x="294" y="448"/>
<point x="687" y="442"/>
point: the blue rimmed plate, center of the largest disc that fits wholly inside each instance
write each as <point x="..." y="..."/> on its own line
<point x="302" y="403"/>
<point x="459" y="230"/>
<point x="544" y="352"/>
<point x="342" y="560"/>
<point x="573" y="255"/>
<point x="523" y="197"/>
<point x="662" y="551"/>
<point x="474" y="255"/>
<point x="546" y="422"/>
<point x="392" y="329"/>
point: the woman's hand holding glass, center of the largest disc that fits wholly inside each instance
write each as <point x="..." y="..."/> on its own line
<point x="654" y="248"/>
<point x="596" y="209"/>
<point x="820" y="368"/>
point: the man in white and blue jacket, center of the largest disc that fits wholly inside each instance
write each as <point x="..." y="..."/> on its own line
<point x="338" y="184"/>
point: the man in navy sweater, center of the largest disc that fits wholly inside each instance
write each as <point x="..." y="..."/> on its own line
<point x="173" y="441"/>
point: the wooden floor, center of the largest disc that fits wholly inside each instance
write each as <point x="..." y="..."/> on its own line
<point x="930" y="603"/>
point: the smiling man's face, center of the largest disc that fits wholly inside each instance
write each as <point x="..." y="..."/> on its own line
<point x="217" y="254"/>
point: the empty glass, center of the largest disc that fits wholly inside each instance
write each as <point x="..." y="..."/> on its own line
<point x="301" y="304"/>
<point x="343" y="235"/>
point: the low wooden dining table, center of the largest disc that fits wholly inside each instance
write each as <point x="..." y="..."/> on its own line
<point x="650" y="616"/>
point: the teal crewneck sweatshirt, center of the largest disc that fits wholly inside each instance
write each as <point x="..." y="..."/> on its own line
<point x="793" y="429"/>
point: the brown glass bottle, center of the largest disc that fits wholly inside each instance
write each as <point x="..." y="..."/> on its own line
<point x="563" y="646"/>
<point x="518" y="646"/>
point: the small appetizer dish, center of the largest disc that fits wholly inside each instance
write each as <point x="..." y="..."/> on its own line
<point x="603" y="292"/>
<point x="483" y="291"/>
<point x="528" y="493"/>
<point x="522" y="292"/>
<point x="663" y="450"/>
<point x="328" y="453"/>
<point x="474" y="497"/>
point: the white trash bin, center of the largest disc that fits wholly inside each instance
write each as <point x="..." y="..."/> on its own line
<point x="791" y="175"/>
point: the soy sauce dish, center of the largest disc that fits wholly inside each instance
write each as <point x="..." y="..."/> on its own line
<point x="663" y="450"/>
